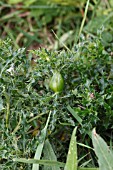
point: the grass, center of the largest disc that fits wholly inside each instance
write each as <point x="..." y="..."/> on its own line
<point x="25" y="97"/>
<point x="28" y="25"/>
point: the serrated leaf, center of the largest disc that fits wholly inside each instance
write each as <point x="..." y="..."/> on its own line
<point x="104" y="154"/>
<point x="71" y="163"/>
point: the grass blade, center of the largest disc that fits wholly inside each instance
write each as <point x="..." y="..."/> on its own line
<point x="41" y="145"/>
<point x="75" y="115"/>
<point x="83" y="21"/>
<point x="41" y="162"/>
<point x="85" y="163"/>
<point x="88" y="169"/>
<point x="80" y="159"/>
<point x="86" y="146"/>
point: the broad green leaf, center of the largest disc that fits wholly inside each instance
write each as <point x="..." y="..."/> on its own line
<point x="41" y="162"/>
<point x="104" y="154"/>
<point x="71" y="163"/>
<point x="49" y="154"/>
<point x="41" y="145"/>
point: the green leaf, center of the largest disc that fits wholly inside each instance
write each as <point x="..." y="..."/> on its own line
<point x="83" y="145"/>
<point x="88" y="169"/>
<point x="41" y="162"/>
<point x="49" y="154"/>
<point x="27" y="2"/>
<point x="71" y="163"/>
<point x="75" y="115"/>
<point x="1" y="104"/>
<point x="41" y="145"/>
<point x="85" y="163"/>
<point x="14" y="1"/>
<point x="104" y="154"/>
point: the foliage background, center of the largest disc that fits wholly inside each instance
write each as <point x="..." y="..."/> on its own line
<point x="87" y="69"/>
<point x="30" y="23"/>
